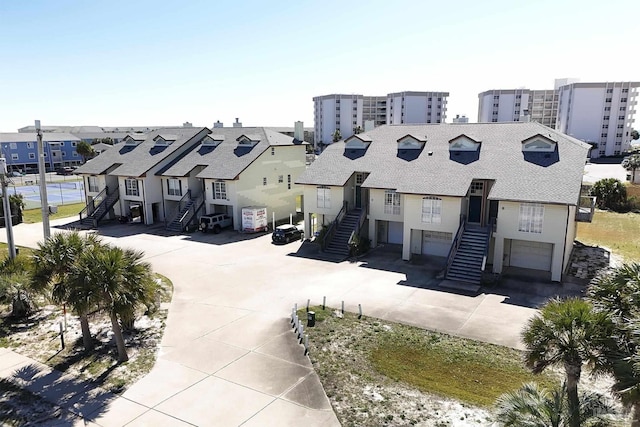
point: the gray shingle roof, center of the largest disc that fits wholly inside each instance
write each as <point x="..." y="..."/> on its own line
<point x="227" y="160"/>
<point x="537" y="177"/>
<point x="136" y="160"/>
<point x="33" y="137"/>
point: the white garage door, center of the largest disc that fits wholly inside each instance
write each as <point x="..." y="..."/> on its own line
<point x="535" y="255"/>
<point x="436" y="243"/>
<point x="395" y="233"/>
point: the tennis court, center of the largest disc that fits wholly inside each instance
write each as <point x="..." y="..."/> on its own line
<point x="58" y="193"/>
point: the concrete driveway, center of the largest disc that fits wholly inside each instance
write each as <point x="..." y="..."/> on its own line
<point x="228" y="356"/>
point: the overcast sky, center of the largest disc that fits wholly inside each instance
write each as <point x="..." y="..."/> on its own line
<point x="149" y="63"/>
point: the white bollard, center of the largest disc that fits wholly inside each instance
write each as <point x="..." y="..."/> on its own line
<point x="306" y="345"/>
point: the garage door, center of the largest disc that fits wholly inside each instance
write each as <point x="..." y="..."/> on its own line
<point x="535" y="255"/>
<point x="436" y="243"/>
<point x="395" y="233"/>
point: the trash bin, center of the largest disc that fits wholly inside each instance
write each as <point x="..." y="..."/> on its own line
<point x="311" y="319"/>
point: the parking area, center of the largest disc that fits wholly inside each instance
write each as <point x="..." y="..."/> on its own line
<point x="228" y="343"/>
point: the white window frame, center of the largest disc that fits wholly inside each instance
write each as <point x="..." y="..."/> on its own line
<point x="92" y="181"/>
<point x="13" y="145"/>
<point x="14" y="156"/>
<point x="29" y="144"/>
<point x="391" y="202"/>
<point x="129" y="189"/>
<point x="220" y="190"/>
<point x="174" y="187"/>
<point x="32" y="156"/>
<point x="531" y="218"/>
<point x="431" y="210"/>
<point x="323" y="197"/>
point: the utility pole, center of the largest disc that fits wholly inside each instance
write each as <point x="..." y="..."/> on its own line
<point x="44" y="201"/>
<point x="7" y="208"/>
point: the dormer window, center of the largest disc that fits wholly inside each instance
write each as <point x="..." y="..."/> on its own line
<point x="133" y="139"/>
<point x="213" y="140"/>
<point x="411" y="142"/>
<point x="539" y="144"/>
<point x="164" y="139"/>
<point x="357" y="142"/>
<point x="248" y="140"/>
<point x="464" y="143"/>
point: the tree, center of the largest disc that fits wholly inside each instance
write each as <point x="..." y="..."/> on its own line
<point x="617" y="293"/>
<point x="567" y="333"/>
<point x="53" y="261"/>
<point x="610" y="194"/>
<point x="635" y="135"/>
<point x="115" y="280"/>
<point x="85" y="150"/>
<point x="533" y="406"/>
<point x="15" y="286"/>
<point x="337" y="136"/>
<point x="631" y="164"/>
<point x="357" y="130"/>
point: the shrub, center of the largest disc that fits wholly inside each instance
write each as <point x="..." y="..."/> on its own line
<point x="611" y="194"/>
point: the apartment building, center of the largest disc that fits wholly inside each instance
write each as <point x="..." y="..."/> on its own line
<point x="601" y="114"/>
<point x="348" y="112"/>
<point x="416" y="107"/>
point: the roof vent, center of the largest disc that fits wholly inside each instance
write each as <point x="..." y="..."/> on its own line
<point x="430" y="153"/>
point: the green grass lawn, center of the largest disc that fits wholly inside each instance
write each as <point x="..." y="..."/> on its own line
<point x="351" y="355"/>
<point x="32" y="216"/>
<point x="619" y="232"/>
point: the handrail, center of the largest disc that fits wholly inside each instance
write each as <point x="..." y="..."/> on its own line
<point x="586" y="208"/>
<point x="356" y="232"/>
<point x="186" y="218"/>
<point x="91" y="206"/>
<point x="333" y="227"/>
<point x="490" y="229"/>
<point x="184" y="200"/>
<point x="456" y="243"/>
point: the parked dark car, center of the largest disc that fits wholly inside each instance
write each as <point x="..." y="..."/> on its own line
<point x="286" y="233"/>
<point x="67" y="170"/>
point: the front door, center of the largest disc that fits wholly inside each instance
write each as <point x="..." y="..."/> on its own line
<point x="475" y="209"/>
<point x="358" y="197"/>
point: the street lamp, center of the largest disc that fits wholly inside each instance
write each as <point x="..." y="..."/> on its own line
<point x="44" y="201"/>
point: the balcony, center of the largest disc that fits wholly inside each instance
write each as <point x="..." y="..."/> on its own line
<point x="586" y="208"/>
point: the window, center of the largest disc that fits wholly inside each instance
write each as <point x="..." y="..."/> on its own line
<point x="273" y="151"/>
<point x="64" y="154"/>
<point x="496" y="96"/>
<point x="93" y="184"/>
<point x="62" y="143"/>
<point x="75" y="154"/>
<point x="14" y="156"/>
<point x="607" y="108"/>
<point x="174" y="187"/>
<point x="32" y="156"/>
<point x="29" y="144"/>
<point x="131" y="187"/>
<point x="431" y="210"/>
<point x="391" y="202"/>
<point x="620" y="117"/>
<point x="605" y="126"/>
<point x="220" y="190"/>
<point x="623" y="99"/>
<point x="264" y="181"/>
<point x="359" y="178"/>
<point x="625" y="90"/>
<point x="623" y="108"/>
<point x="603" y="135"/>
<point x="609" y="90"/>
<point x="607" y="100"/>
<point x="280" y="179"/>
<point x="13" y="146"/>
<point x="531" y="217"/>
<point x="45" y="154"/>
<point x="324" y="197"/>
<point x="605" y="118"/>
<point x="288" y="182"/>
<point x="495" y="105"/>
<point x="73" y="143"/>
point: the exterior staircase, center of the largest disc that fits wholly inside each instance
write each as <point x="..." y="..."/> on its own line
<point x="187" y="210"/>
<point x="468" y="260"/>
<point x="339" y="243"/>
<point x="100" y="206"/>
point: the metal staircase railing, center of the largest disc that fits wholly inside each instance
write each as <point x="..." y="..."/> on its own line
<point x="184" y="201"/>
<point x="456" y="243"/>
<point x="333" y="227"/>
<point x="90" y="208"/>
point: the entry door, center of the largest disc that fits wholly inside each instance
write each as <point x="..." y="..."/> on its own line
<point x="358" y="197"/>
<point x="475" y="209"/>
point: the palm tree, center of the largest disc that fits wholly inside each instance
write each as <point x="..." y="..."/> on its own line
<point x="53" y="261"/>
<point x="617" y="293"/>
<point x="117" y="281"/>
<point x="337" y="136"/>
<point x="632" y="164"/>
<point x="533" y="406"/>
<point x="567" y="333"/>
<point x="15" y="289"/>
<point x="85" y="150"/>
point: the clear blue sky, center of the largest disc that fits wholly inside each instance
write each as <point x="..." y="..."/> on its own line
<point x="145" y="62"/>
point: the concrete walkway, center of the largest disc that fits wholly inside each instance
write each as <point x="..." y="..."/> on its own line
<point x="228" y="356"/>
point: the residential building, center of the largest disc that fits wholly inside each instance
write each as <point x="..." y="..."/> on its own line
<point x="460" y="119"/>
<point x="601" y="114"/>
<point x="435" y="190"/>
<point x="21" y="150"/>
<point x="337" y="112"/>
<point x="416" y="107"/>
<point x="175" y="175"/>
<point x="347" y="113"/>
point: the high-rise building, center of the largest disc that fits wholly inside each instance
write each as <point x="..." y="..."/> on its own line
<point x="347" y="113"/>
<point x="416" y="107"/>
<point x="599" y="113"/>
